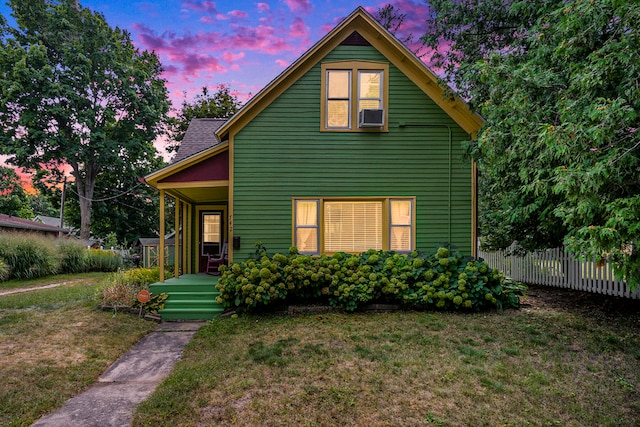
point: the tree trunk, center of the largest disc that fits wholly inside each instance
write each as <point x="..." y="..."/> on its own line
<point x="85" y="184"/>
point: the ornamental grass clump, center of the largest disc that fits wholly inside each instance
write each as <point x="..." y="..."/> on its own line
<point x="101" y="260"/>
<point x="443" y="280"/>
<point x="28" y="256"/>
<point x="74" y="257"/>
<point x="120" y="289"/>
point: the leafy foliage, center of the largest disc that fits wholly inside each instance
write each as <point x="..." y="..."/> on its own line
<point x="122" y="205"/>
<point x="76" y="93"/>
<point x="556" y="82"/>
<point x="442" y="280"/>
<point x="222" y="103"/>
<point x="12" y="196"/>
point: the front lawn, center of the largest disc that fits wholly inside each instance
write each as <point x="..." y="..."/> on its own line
<point x="540" y="365"/>
<point x="55" y="342"/>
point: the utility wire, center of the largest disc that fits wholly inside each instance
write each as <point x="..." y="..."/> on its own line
<point x="107" y="198"/>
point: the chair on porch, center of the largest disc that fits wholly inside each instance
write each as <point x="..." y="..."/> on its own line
<point x="213" y="264"/>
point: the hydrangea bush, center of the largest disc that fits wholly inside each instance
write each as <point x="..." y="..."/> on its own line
<point x="443" y="280"/>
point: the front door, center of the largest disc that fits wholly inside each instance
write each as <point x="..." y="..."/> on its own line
<point x="211" y="236"/>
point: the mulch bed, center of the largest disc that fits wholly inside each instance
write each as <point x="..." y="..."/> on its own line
<point x="585" y="303"/>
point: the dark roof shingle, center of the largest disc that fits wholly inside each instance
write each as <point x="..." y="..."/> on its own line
<point x="200" y="135"/>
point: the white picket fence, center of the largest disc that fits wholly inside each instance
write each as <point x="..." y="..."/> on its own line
<point x="557" y="267"/>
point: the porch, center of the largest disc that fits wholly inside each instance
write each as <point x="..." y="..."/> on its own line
<point x="191" y="297"/>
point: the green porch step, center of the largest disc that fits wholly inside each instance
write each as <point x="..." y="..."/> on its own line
<point x="190" y="313"/>
<point x="191" y="297"/>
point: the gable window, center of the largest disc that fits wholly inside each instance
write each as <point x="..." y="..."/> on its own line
<point x="354" y="96"/>
<point x="353" y="225"/>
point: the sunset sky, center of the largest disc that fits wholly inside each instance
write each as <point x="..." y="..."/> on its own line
<point x="242" y="44"/>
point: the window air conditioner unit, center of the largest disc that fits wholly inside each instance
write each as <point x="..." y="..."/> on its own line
<point x="371" y="118"/>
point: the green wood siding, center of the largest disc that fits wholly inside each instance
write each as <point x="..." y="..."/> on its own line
<point x="282" y="154"/>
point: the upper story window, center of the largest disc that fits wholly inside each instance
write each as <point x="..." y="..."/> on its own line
<point x="355" y="96"/>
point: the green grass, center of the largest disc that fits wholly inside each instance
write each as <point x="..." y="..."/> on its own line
<point x="43" y="281"/>
<point x="54" y="343"/>
<point x="515" y="368"/>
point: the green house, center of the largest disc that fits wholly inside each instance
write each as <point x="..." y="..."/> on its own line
<point x="354" y="146"/>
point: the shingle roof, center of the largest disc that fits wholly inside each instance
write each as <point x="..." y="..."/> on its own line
<point x="8" y="221"/>
<point x="200" y="135"/>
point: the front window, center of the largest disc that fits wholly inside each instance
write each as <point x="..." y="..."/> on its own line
<point x="329" y="226"/>
<point x="352" y="226"/>
<point x="349" y="89"/>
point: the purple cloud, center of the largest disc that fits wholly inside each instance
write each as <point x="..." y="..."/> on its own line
<point x="238" y="14"/>
<point x="201" y="6"/>
<point x="299" y="6"/>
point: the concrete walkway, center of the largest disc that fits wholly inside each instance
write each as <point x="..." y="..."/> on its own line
<point x="112" y="400"/>
<point x="20" y="290"/>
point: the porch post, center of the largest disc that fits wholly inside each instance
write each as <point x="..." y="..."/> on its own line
<point x="185" y="269"/>
<point x="177" y="240"/>
<point x="189" y="241"/>
<point x="161" y="248"/>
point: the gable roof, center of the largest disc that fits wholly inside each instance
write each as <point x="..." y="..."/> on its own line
<point x="361" y="22"/>
<point x="14" y="222"/>
<point x="200" y="135"/>
<point x="199" y="143"/>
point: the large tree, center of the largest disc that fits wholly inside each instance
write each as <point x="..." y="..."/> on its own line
<point x="557" y="83"/>
<point x="76" y="94"/>
<point x="13" y="199"/>
<point x="123" y="206"/>
<point x="221" y="103"/>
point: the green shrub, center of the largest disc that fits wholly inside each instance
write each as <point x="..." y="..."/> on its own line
<point x="29" y="256"/>
<point x="101" y="260"/>
<point x="75" y="257"/>
<point x="443" y="280"/>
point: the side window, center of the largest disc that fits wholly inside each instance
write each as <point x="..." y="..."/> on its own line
<point x="401" y="225"/>
<point x="306" y="229"/>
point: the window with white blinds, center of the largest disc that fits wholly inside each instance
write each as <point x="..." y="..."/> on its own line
<point x="352" y="226"/>
<point x="329" y="226"/>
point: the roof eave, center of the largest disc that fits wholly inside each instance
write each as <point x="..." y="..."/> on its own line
<point x="457" y="108"/>
<point x="155" y="177"/>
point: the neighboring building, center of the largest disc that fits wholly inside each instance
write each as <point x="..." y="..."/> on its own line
<point x="10" y="223"/>
<point x="354" y="146"/>
<point x="53" y="221"/>
<point x="150" y="250"/>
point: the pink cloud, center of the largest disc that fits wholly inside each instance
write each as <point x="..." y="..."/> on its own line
<point x="263" y="8"/>
<point x="206" y="19"/>
<point x="193" y="63"/>
<point x="230" y="57"/>
<point x="282" y="63"/>
<point x="200" y="6"/>
<point x="193" y="56"/>
<point x="238" y="14"/>
<point x="299" y="28"/>
<point x="299" y="6"/>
